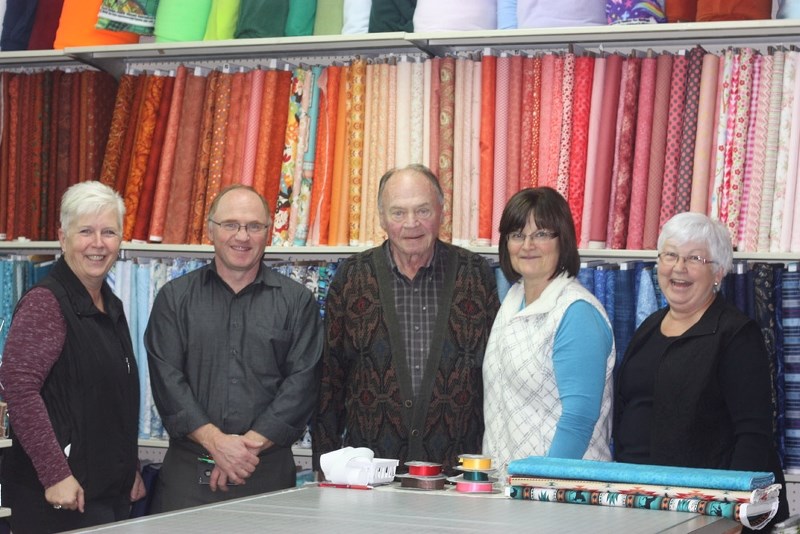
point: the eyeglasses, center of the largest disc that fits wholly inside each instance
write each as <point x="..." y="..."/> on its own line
<point x="539" y="236"/>
<point x="230" y="227"/>
<point x="671" y="258"/>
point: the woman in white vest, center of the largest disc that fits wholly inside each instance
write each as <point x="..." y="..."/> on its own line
<point x="548" y="367"/>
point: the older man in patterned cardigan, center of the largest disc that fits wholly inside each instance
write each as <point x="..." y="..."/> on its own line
<point x="406" y="324"/>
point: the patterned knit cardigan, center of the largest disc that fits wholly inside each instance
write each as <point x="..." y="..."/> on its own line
<point x="366" y="398"/>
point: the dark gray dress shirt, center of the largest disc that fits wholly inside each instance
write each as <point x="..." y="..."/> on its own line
<point x="240" y="361"/>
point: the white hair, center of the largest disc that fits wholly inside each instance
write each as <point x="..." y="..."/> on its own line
<point x="90" y="198"/>
<point x="691" y="227"/>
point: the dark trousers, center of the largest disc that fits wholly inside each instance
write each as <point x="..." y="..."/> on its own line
<point x="178" y="485"/>
<point x="31" y="513"/>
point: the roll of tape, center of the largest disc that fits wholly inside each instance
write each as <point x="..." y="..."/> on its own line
<point x="474" y="487"/>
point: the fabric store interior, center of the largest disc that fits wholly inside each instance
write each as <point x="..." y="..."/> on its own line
<point x="310" y="102"/>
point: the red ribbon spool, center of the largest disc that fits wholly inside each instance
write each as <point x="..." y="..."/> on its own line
<point x="424" y="470"/>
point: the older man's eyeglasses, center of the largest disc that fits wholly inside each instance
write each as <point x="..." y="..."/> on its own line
<point x="230" y="227"/>
<point x="539" y="236"/>
<point x="671" y="258"/>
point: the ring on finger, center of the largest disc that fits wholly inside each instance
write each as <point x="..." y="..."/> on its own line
<point x="57" y="506"/>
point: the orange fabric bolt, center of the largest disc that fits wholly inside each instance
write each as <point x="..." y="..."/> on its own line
<point x="180" y="194"/>
<point x="354" y="93"/>
<point x="323" y="186"/>
<point x="202" y="160"/>
<point x="76" y="27"/>
<point x="342" y="236"/>
<point x="340" y="220"/>
<point x="276" y="139"/>
<point x="268" y="122"/>
<point x="116" y="133"/>
<point x="681" y="10"/>
<point x="222" y="104"/>
<point x="716" y="10"/>
<point x="143" y="143"/>
<point x="164" y="178"/>
<point x="232" y="135"/>
<point x="126" y="148"/>
<point x="146" y="197"/>
<point x="241" y="132"/>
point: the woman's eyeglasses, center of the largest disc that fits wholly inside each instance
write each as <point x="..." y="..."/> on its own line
<point x="539" y="236"/>
<point x="671" y="258"/>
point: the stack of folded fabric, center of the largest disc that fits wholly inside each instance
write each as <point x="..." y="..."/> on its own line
<point x="751" y="498"/>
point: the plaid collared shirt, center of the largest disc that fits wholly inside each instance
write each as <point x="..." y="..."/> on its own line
<point x="417" y="303"/>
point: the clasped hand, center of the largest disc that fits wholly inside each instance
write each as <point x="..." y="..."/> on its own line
<point x="236" y="458"/>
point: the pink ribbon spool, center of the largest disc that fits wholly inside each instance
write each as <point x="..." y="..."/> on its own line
<point x="474" y="487"/>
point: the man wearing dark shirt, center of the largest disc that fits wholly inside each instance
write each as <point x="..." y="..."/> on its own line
<point x="232" y="350"/>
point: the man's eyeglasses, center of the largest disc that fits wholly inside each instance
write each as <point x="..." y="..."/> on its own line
<point x="539" y="236"/>
<point x="671" y="258"/>
<point x="253" y="228"/>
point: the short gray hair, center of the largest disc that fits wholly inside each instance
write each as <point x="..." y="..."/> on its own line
<point x="691" y="227"/>
<point x="414" y="167"/>
<point x="90" y="198"/>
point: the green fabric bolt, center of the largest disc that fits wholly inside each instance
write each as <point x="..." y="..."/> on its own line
<point x="137" y="16"/>
<point x="181" y="20"/>
<point x="262" y="18"/>
<point x="330" y="17"/>
<point x="392" y="16"/>
<point x="222" y="20"/>
<point x="300" y="20"/>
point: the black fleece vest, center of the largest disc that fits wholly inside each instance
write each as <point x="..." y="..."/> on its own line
<point x="91" y="394"/>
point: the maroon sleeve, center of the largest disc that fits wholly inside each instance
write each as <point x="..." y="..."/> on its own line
<point x="33" y="346"/>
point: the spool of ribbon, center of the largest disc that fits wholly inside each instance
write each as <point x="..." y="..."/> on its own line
<point x="475" y="476"/>
<point x="474" y="487"/>
<point x="423" y="483"/>
<point x="424" y="469"/>
<point x="475" y="462"/>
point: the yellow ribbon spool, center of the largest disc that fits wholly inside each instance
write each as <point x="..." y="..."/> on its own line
<point x="475" y="462"/>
